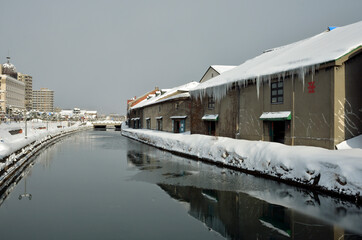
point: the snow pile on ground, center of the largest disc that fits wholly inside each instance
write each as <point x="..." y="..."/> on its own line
<point x="355" y="142"/>
<point x="35" y="131"/>
<point x="337" y="171"/>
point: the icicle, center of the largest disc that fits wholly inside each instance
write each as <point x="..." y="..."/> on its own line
<point x="257" y="85"/>
<point x="301" y="76"/>
<point x="239" y="83"/>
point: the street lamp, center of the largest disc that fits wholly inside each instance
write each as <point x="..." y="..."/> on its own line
<point x="26" y="127"/>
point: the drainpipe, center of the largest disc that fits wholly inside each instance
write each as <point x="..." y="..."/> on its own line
<point x="293" y="112"/>
<point x="238" y="115"/>
<point x="262" y="110"/>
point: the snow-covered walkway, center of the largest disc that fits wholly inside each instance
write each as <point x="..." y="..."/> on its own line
<point x="12" y="135"/>
<point x="338" y="171"/>
<point x="35" y="130"/>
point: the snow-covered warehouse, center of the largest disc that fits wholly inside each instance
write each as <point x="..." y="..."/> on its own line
<point x="304" y="93"/>
<point x="134" y="115"/>
<point x="166" y="110"/>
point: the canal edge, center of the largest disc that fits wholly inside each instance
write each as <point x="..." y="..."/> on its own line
<point x="315" y="189"/>
<point x="21" y="157"/>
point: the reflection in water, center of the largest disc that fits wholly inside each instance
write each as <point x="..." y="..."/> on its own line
<point x="81" y="189"/>
<point x="240" y="216"/>
<point x="100" y="129"/>
<point x="25" y="194"/>
<point x="233" y="215"/>
<point x="253" y="209"/>
<point x="96" y="185"/>
<point x="103" y="129"/>
<point x="21" y="173"/>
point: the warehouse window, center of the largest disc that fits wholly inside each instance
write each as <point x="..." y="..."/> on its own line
<point x="277" y="92"/>
<point x="211" y="103"/>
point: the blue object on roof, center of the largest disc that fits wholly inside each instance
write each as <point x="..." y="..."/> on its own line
<point x="331" y="28"/>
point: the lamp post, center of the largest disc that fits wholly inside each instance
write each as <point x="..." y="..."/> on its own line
<point x="26" y="127"/>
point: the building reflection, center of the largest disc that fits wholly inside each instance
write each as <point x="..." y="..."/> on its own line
<point x="26" y="194"/>
<point x="237" y="215"/>
<point x="14" y="180"/>
<point x="140" y="159"/>
<point x="240" y="216"/>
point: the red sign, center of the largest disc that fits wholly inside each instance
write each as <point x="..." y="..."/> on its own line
<point x="311" y="87"/>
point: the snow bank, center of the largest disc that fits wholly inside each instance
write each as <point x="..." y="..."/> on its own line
<point x="336" y="171"/>
<point x="355" y="142"/>
<point x="35" y="131"/>
<point x="16" y="149"/>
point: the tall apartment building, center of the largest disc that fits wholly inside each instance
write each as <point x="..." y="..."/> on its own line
<point x="43" y="100"/>
<point x="12" y="91"/>
<point x="28" y="80"/>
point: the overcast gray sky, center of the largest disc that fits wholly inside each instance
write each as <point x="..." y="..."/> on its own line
<point x="97" y="54"/>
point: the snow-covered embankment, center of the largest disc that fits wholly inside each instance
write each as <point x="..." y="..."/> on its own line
<point x="16" y="149"/>
<point x="335" y="171"/>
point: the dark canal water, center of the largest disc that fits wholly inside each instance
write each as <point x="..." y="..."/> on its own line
<point x="100" y="185"/>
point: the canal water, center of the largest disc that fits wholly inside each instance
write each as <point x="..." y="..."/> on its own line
<point x="100" y="185"/>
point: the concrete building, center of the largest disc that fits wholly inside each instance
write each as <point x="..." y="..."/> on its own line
<point x="12" y="91"/>
<point x="28" y="80"/>
<point x="304" y="93"/>
<point x="90" y="114"/>
<point x="43" y="100"/>
<point x="78" y="113"/>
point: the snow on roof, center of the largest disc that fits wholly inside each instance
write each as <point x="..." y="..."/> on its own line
<point x="275" y="115"/>
<point x="91" y="112"/>
<point x="66" y="112"/>
<point x="210" y="117"/>
<point x="177" y="117"/>
<point x="296" y="58"/>
<point x="222" y="68"/>
<point x="172" y="93"/>
<point x="176" y="96"/>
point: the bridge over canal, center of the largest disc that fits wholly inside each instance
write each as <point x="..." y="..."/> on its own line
<point x="107" y="124"/>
